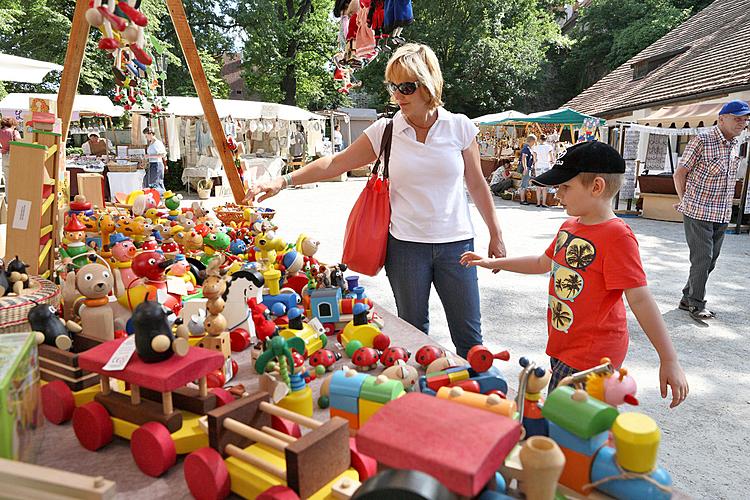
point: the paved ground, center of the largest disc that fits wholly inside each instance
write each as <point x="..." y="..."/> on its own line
<point x="706" y="441"/>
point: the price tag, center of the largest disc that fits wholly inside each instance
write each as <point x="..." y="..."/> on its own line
<point x="161" y="296"/>
<point x="122" y="355"/>
<point x="315" y="323"/>
<point x="176" y="286"/>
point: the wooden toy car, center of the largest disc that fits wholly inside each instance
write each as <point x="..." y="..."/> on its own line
<point x="65" y="384"/>
<point x="249" y="457"/>
<point x="159" y="415"/>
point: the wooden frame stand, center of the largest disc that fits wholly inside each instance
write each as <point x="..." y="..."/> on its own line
<point x="79" y="33"/>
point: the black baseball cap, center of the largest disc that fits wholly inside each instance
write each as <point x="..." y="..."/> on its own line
<point x="590" y="156"/>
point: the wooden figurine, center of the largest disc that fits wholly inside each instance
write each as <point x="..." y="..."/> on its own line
<point x="95" y="282"/>
<point x="18" y="275"/>
<point x="543" y="463"/>
<point x="70" y="297"/>
<point x="107" y="226"/>
<point x="537" y="379"/>
<point x="123" y="252"/>
<point x="74" y="251"/>
<point x="50" y="328"/>
<point x="154" y="341"/>
<point x="406" y="374"/>
<point x="214" y="287"/>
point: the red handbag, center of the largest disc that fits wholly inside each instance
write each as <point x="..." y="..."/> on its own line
<point x="366" y="236"/>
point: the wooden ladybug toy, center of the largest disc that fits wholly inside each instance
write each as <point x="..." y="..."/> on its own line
<point x="393" y="354"/>
<point x="427" y="354"/>
<point x="325" y="358"/>
<point x="365" y="358"/>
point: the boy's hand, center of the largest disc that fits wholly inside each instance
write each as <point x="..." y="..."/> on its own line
<point x="671" y="374"/>
<point x="469" y="259"/>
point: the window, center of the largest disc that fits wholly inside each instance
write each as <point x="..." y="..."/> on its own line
<point x="324" y="310"/>
<point x="643" y="68"/>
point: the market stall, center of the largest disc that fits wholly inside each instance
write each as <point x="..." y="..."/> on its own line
<point x="265" y="133"/>
<point x="652" y="149"/>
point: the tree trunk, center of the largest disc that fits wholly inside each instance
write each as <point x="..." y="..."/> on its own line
<point x="289" y="85"/>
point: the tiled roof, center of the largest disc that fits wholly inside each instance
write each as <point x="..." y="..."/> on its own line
<point x="716" y="59"/>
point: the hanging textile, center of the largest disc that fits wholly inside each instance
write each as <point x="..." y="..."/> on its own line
<point x="173" y="137"/>
<point x="365" y="40"/>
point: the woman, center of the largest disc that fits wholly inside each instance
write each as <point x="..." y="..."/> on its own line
<point x="155" y="154"/>
<point x="544" y="158"/>
<point x="8" y="133"/>
<point x="433" y="152"/>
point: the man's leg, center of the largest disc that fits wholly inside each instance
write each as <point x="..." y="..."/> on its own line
<point x="458" y="288"/>
<point x="409" y="269"/>
<point x="700" y="240"/>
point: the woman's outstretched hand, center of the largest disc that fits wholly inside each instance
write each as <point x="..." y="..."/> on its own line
<point x="268" y="188"/>
<point x="496" y="249"/>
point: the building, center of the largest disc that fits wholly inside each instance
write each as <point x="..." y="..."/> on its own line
<point x="231" y="72"/>
<point x="683" y="77"/>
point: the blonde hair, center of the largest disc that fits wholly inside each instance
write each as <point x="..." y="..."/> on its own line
<point x="612" y="182"/>
<point x="418" y="61"/>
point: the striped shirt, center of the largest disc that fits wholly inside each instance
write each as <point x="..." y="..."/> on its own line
<point x="711" y="161"/>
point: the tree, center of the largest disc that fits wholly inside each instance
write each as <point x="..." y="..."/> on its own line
<point x="287" y="49"/>
<point x="489" y="50"/>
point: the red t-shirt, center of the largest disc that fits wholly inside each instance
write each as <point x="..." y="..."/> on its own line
<point x="592" y="266"/>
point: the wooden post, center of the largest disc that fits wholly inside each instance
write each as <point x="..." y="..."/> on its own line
<point x="79" y="34"/>
<point x="203" y="387"/>
<point x="187" y="42"/>
<point x="135" y="394"/>
<point x="166" y="400"/>
<point x="104" y="381"/>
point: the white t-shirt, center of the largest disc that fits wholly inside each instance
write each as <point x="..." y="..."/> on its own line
<point x="338" y="139"/>
<point x="428" y="200"/>
<point x="156" y="148"/>
<point x="543" y="151"/>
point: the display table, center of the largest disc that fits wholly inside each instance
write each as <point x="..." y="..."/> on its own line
<point x="660" y="207"/>
<point x="60" y="449"/>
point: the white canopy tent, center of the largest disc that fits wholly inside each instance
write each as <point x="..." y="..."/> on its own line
<point x="22" y="69"/>
<point x="247" y="110"/>
<point x="494" y="118"/>
<point x="16" y="103"/>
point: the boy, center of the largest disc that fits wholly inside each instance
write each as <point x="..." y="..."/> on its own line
<point x="527" y="164"/>
<point x="594" y="259"/>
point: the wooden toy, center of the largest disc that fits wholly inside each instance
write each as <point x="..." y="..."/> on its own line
<point x="18" y="276"/>
<point x="532" y="380"/>
<point x="107" y="226"/>
<point x="243" y="286"/>
<point x="427" y="354"/>
<point x="154" y="341"/>
<point x="331" y="308"/>
<point x="75" y="251"/>
<point x="406" y="374"/>
<point x="613" y="388"/>
<point x="480" y="358"/>
<point x="95" y="282"/>
<point x="279" y="349"/>
<point x="393" y="354"/>
<point x="314" y="340"/>
<point x="123" y="252"/>
<point x="22" y="480"/>
<point x="325" y="358"/>
<point x="50" y="328"/>
<point x="543" y="462"/>
<point x="4" y="283"/>
<point x="493" y="402"/>
<point x="365" y="358"/>
<point x="264" y="326"/>
<point x="637" y="441"/>
<point x="259" y="458"/>
<point x="460" y="446"/>
<point x="489" y="382"/>
<point x="357" y="397"/>
<point x="611" y="478"/>
<point x="359" y="328"/>
<point x="147" y="416"/>
<point x="443" y="363"/>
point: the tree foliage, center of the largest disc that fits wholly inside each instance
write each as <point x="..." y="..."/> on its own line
<point x="287" y="49"/>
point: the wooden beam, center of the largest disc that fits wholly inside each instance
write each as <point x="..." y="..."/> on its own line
<point x="79" y="35"/>
<point x="187" y="42"/>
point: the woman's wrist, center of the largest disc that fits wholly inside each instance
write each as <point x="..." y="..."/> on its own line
<point x="286" y="181"/>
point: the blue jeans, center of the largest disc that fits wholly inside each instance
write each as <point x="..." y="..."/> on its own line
<point x="155" y="176"/>
<point x="413" y="268"/>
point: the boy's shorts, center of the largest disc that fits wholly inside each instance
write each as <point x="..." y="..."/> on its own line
<point x="559" y="371"/>
<point x="525" y="180"/>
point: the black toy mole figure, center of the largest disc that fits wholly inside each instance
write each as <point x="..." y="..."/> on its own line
<point x="18" y="274"/>
<point x="50" y="328"/>
<point x="154" y="341"/>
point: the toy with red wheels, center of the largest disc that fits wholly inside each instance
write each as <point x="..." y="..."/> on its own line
<point x="159" y="414"/>
<point x="65" y="385"/>
<point x="251" y="458"/>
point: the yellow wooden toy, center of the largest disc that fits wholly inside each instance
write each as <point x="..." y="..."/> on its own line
<point x="637" y="440"/>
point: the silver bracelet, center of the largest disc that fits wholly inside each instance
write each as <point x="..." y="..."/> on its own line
<point x="287" y="178"/>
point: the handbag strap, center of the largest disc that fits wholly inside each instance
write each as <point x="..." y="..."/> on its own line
<point x="385" y="152"/>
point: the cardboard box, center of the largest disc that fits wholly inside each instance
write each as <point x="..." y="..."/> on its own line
<point x="20" y="400"/>
<point x="92" y="187"/>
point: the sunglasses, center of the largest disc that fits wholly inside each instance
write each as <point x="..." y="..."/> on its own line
<point x="406" y="88"/>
